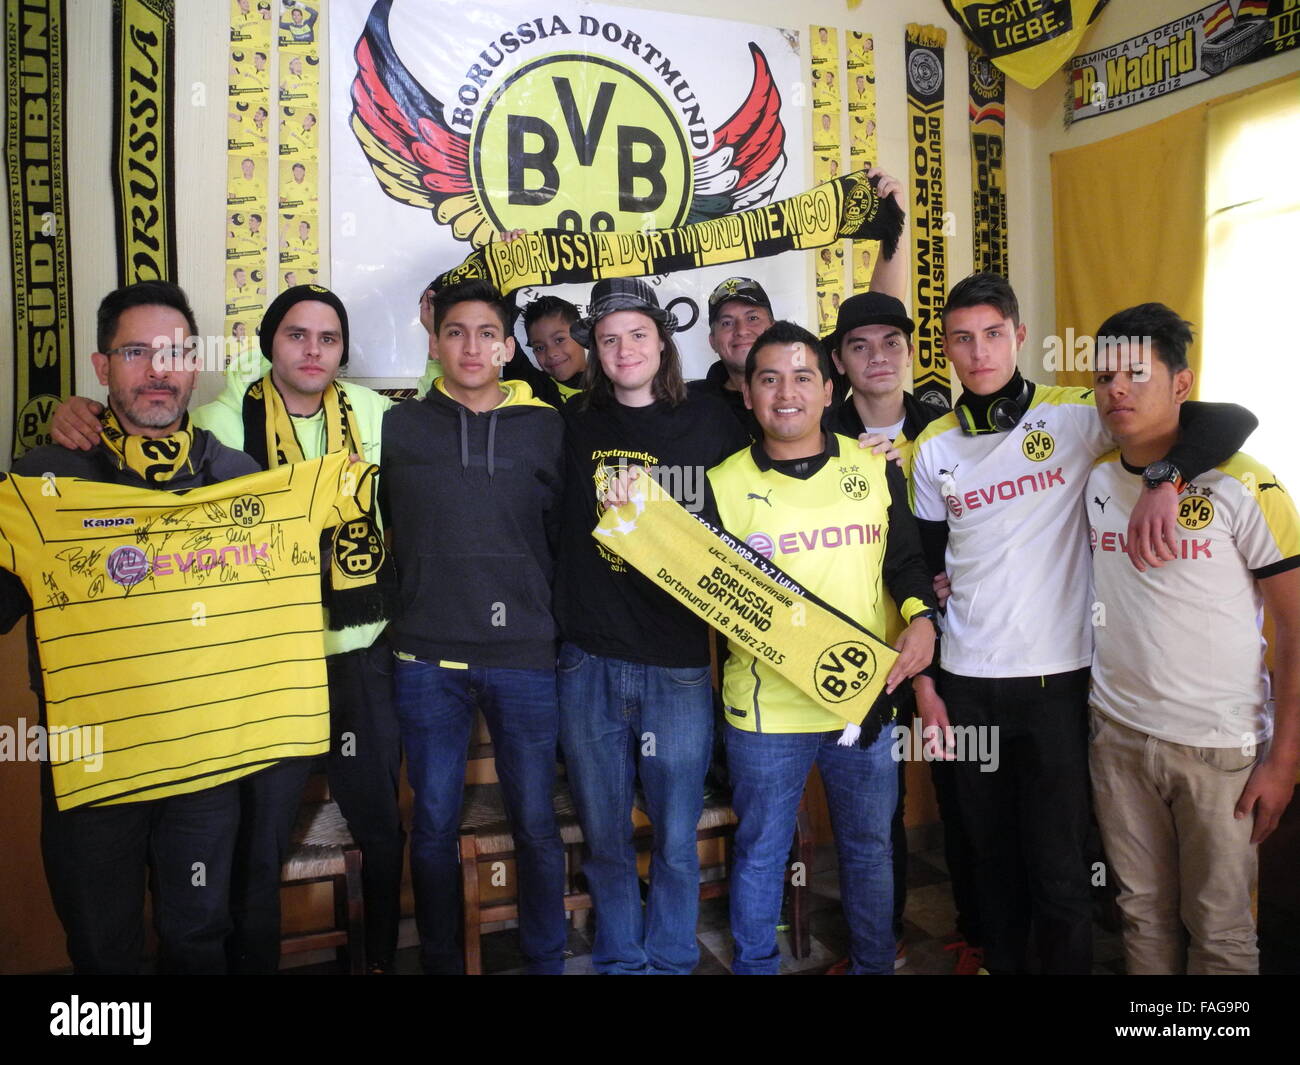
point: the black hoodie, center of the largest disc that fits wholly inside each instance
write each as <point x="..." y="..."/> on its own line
<point x="472" y="501"/>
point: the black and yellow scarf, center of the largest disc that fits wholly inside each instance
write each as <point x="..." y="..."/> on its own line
<point x="360" y="584"/>
<point x="156" y="459"/>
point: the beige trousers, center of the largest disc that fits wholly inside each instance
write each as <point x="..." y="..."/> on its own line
<point x="1185" y="868"/>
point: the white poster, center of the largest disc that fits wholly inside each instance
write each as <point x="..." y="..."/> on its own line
<point x="454" y="122"/>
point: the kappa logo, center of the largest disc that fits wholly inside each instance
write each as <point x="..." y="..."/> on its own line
<point x="107" y="523"/>
<point x="569" y="140"/>
<point x="843" y="670"/>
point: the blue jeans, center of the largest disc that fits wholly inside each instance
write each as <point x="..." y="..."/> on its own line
<point x="768" y="771"/>
<point x="435" y="707"/>
<point x="618" y="717"/>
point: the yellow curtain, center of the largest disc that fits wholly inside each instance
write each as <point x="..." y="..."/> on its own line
<point x="1129" y="227"/>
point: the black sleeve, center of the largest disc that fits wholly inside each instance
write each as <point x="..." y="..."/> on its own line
<point x="1211" y="433"/>
<point x="905" y="571"/>
<point x="385" y="510"/>
<point x="521" y="368"/>
<point x="934" y="543"/>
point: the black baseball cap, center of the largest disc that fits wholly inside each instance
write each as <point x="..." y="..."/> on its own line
<point x="744" y="289"/>
<point x="868" y="308"/>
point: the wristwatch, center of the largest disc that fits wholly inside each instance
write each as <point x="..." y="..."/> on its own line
<point x="1160" y="472"/>
<point x="927" y="613"/>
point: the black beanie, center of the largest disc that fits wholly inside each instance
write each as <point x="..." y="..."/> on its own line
<point x="280" y="307"/>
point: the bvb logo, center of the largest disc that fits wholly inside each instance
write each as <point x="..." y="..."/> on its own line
<point x="855" y="486"/>
<point x="589" y="146"/>
<point x="1038" y="446"/>
<point x="358" y="551"/>
<point x="1195" y="512"/>
<point x="843" y="670"/>
<point x="247" y="511"/>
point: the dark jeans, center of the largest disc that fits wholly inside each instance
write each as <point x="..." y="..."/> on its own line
<point x="1033" y="807"/>
<point x="269" y="803"/>
<point x="957" y="853"/>
<point x="436" y="708"/>
<point x="96" y="860"/>
<point x="365" y="761"/>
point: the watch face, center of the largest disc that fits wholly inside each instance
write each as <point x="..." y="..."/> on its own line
<point x="1159" y="472"/>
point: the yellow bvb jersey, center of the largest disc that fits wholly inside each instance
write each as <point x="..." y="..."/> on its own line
<point x="180" y="633"/>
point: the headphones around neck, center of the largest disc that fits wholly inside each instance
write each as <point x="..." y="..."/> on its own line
<point x="1002" y="416"/>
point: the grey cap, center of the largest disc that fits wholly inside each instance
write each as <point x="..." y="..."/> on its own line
<point x="620" y="294"/>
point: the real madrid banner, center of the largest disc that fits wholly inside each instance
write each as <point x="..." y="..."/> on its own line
<point x="838" y="664"/>
<point x="846" y="208"/>
<point x="924" y="65"/>
<point x="143" y="183"/>
<point x="36" y="172"/>
<point x="452" y="123"/>
<point x="1186" y="51"/>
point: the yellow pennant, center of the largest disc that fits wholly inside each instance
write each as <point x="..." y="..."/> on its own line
<point x="840" y="667"/>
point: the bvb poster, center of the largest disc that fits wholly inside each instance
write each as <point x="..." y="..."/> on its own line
<point x="451" y="124"/>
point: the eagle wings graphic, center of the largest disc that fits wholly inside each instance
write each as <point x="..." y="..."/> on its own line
<point x="419" y="160"/>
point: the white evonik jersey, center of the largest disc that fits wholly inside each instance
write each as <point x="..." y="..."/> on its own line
<point x="1180" y="655"/>
<point x="1018" y="544"/>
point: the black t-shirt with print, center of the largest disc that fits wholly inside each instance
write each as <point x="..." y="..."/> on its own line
<point x="604" y="605"/>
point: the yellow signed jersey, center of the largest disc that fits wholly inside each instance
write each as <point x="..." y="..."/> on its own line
<point x="179" y="634"/>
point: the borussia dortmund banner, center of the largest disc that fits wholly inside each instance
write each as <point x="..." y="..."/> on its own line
<point x="453" y="122"/>
<point x="847" y="207"/>
<point x="838" y="664"/>
<point x="924" y="65"/>
<point x="1028" y="40"/>
<point x="1187" y="51"/>
<point x="143" y="105"/>
<point x="988" y="123"/>
<point x="38" y="216"/>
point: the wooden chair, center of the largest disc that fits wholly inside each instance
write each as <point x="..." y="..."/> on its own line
<point x="485" y="839"/>
<point x="322" y="849"/>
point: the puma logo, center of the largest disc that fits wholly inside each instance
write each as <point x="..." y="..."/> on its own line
<point x="755" y="495"/>
<point x="1271" y="484"/>
<point x="1101" y="503"/>
<point x="948" y="473"/>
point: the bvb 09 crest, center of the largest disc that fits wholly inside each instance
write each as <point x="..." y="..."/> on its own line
<point x="567" y="140"/>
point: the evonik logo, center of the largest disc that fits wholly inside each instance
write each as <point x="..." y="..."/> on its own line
<point x="829" y="536"/>
<point x="1002" y="491"/>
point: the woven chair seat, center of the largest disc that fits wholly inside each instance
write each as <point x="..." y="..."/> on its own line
<point x="320" y="835"/>
<point x="484" y="814"/>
